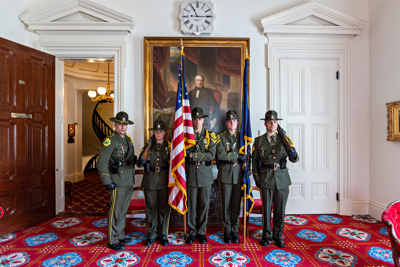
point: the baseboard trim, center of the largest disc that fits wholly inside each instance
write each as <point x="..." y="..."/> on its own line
<point x="360" y="207"/>
<point x="376" y="209"/>
<point x="75" y="177"/>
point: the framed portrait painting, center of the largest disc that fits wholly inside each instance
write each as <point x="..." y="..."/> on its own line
<point x="219" y="61"/>
<point x="393" y="116"/>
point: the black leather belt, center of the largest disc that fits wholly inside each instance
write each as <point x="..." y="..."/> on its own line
<point x="124" y="163"/>
<point x="207" y="163"/>
<point x="156" y="169"/>
<point x="272" y="166"/>
<point x="228" y="162"/>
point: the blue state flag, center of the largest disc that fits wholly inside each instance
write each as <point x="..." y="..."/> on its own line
<point x="245" y="135"/>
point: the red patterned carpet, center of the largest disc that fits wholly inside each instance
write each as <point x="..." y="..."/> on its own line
<point x="311" y="240"/>
<point x="88" y="196"/>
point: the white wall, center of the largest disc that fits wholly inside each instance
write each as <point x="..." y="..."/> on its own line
<point x="384" y="87"/>
<point x="234" y="18"/>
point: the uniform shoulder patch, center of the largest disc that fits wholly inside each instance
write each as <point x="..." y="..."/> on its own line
<point x="213" y="135"/>
<point x="107" y="142"/>
<point x="169" y="144"/>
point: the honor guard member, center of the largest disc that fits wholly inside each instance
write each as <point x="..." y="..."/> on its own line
<point x="230" y="174"/>
<point x="199" y="177"/>
<point x="117" y="172"/>
<point x="272" y="177"/>
<point x="154" y="158"/>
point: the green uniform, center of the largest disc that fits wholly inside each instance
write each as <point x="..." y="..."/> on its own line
<point x="199" y="180"/>
<point x="230" y="174"/>
<point x="274" y="183"/>
<point x="155" y="184"/>
<point x="117" y="148"/>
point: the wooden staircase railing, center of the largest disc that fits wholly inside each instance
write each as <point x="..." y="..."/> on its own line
<point x="100" y="127"/>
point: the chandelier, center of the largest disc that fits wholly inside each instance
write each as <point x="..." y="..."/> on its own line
<point x="104" y="94"/>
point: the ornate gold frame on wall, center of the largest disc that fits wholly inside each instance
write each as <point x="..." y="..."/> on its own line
<point x="150" y="42"/>
<point x="393" y="114"/>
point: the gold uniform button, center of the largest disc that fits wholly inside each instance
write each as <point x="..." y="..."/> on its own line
<point x="274" y="157"/>
<point x="122" y="172"/>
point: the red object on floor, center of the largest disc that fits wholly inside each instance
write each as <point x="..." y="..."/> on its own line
<point x="137" y="204"/>
<point x="311" y="240"/>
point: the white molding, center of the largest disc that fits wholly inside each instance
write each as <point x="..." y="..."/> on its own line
<point x="81" y="16"/>
<point x="311" y="19"/>
<point x="376" y="209"/>
<point x="75" y="177"/>
<point x="360" y="206"/>
<point x="341" y="53"/>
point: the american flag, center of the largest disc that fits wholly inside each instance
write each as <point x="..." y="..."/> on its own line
<point x="182" y="139"/>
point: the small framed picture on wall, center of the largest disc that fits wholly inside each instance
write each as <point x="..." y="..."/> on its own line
<point x="393" y="126"/>
<point x="71" y="130"/>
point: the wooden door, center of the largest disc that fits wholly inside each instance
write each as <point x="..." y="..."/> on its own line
<point x="27" y="145"/>
<point x="309" y="91"/>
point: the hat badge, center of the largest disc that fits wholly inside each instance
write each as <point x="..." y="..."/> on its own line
<point x="123" y="119"/>
<point x="272" y="117"/>
<point x="231" y="116"/>
<point x="197" y="114"/>
<point x="158" y="126"/>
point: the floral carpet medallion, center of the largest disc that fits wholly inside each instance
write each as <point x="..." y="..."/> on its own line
<point x="124" y="259"/>
<point x="14" y="259"/>
<point x="354" y="234"/>
<point x="218" y="237"/>
<point x="255" y="220"/>
<point x="311" y="235"/>
<point x="87" y="239"/>
<point x="66" y="260"/>
<point x="176" y="238"/>
<point x="100" y="223"/>
<point x="66" y="223"/>
<point x="330" y="219"/>
<point x="229" y="258"/>
<point x="7" y="237"/>
<point x="295" y="220"/>
<point x="258" y="235"/>
<point x="365" y="218"/>
<point x="138" y="223"/>
<point x="381" y="254"/>
<point x="41" y="239"/>
<point x="283" y="258"/>
<point x="336" y="257"/>
<point x="174" y="259"/>
<point x="137" y="237"/>
<point x="383" y="231"/>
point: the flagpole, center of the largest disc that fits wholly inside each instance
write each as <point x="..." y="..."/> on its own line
<point x="184" y="215"/>
<point x="244" y="206"/>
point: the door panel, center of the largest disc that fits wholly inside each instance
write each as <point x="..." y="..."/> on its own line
<point x="27" y="165"/>
<point x="309" y="107"/>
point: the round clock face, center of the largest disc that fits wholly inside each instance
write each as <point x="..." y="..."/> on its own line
<point x="197" y="16"/>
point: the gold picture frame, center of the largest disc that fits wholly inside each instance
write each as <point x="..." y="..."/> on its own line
<point x="393" y="126"/>
<point x="188" y="42"/>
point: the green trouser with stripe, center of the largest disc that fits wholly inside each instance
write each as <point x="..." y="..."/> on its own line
<point x="158" y="211"/>
<point x="230" y="206"/>
<point x="279" y="198"/>
<point x="198" y="204"/>
<point x="119" y="204"/>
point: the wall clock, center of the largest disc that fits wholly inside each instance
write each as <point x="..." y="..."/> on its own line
<point x="197" y="17"/>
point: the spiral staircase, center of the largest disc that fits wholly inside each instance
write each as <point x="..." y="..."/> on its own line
<point x="102" y="130"/>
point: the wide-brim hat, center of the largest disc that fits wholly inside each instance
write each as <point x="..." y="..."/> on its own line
<point x="271" y="115"/>
<point x="121" y="117"/>
<point x="198" y="113"/>
<point x="158" y="125"/>
<point x="231" y="115"/>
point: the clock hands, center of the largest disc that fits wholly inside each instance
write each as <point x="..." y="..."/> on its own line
<point x="190" y="4"/>
<point x="202" y="16"/>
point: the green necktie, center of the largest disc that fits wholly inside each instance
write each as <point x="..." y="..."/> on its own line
<point x="272" y="139"/>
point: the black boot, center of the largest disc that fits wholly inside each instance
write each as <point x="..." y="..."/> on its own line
<point x="235" y="237"/>
<point x="279" y="242"/>
<point x="264" y="242"/>
<point x="190" y="239"/>
<point x="227" y="238"/>
<point x="118" y="246"/>
<point x="149" y="242"/>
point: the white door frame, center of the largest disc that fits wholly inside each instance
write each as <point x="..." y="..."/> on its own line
<point x="341" y="53"/>
<point x="65" y="52"/>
